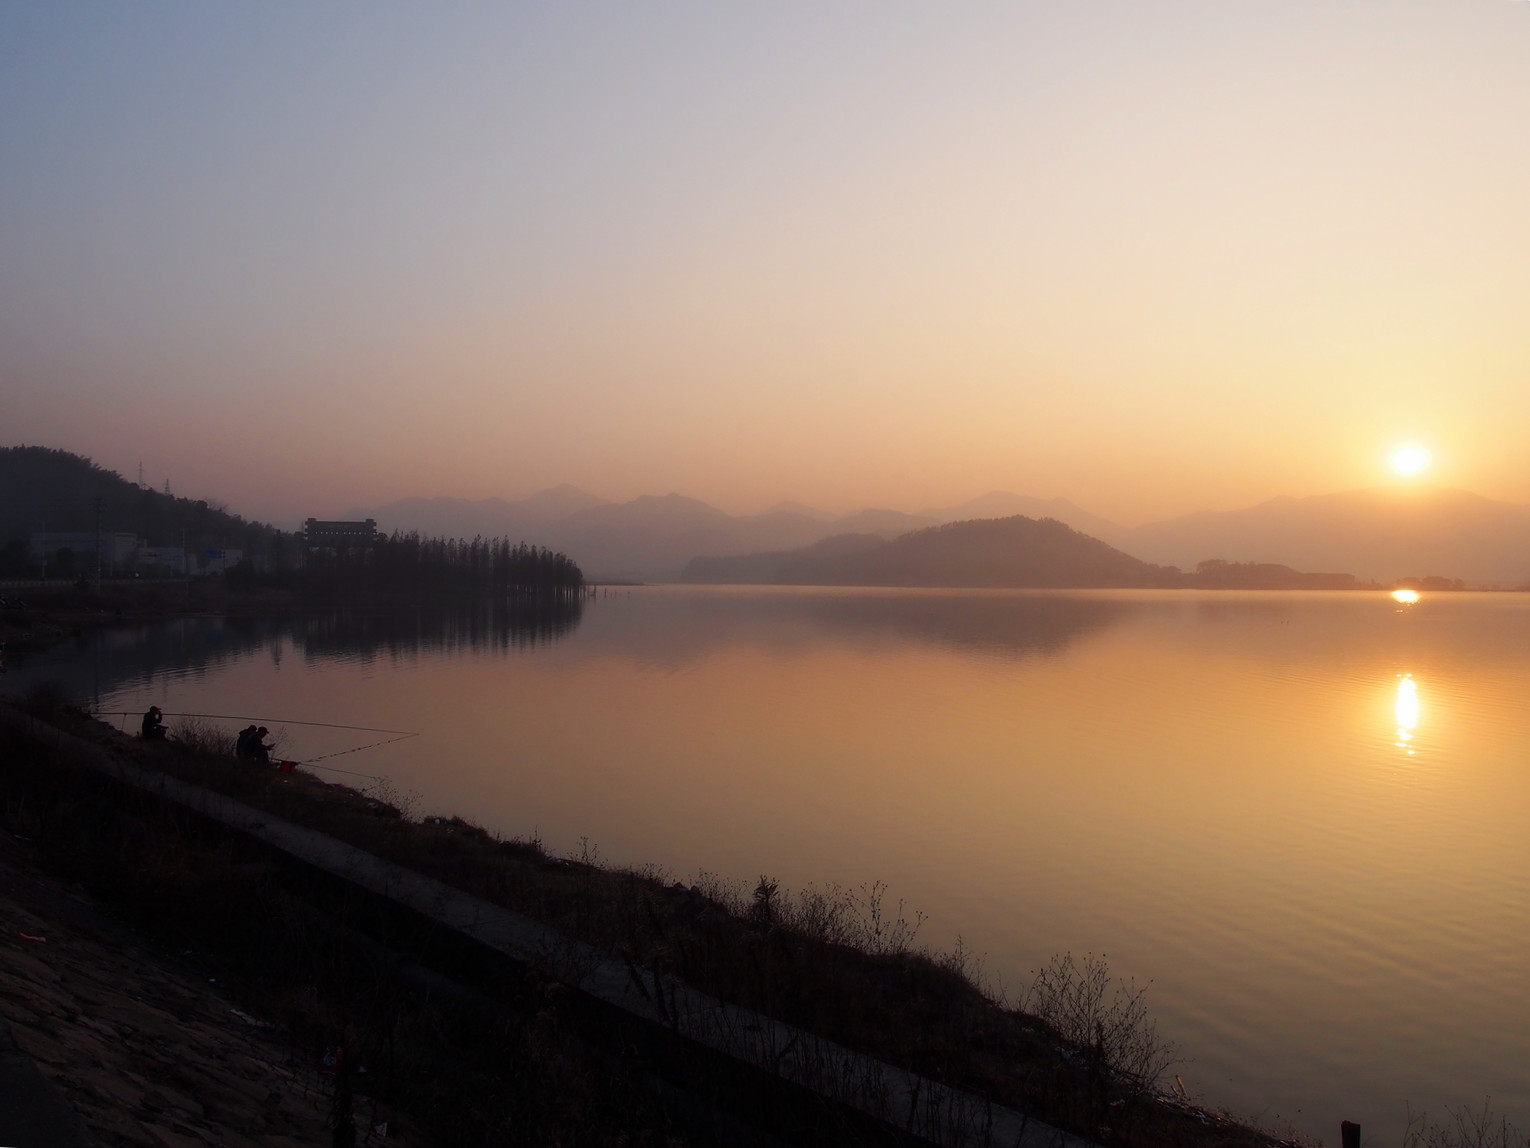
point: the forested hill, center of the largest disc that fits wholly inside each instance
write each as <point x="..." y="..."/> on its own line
<point x="992" y="552"/>
<point x="42" y="489"/>
<point x="46" y="489"/>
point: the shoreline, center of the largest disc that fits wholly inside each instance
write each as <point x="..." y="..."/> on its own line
<point x="902" y="1004"/>
<point x="55" y="611"/>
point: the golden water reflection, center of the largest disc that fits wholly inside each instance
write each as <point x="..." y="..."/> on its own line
<point x="1197" y="783"/>
<point x="1407" y="712"/>
<point x="1406" y="597"/>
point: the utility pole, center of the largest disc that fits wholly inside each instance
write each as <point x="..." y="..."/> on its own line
<point x="140" y="477"/>
<point x="100" y="508"/>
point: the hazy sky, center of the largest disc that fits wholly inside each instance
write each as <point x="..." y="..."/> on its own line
<point x="1152" y="257"/>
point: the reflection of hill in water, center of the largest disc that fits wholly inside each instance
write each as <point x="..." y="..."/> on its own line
<point x="191" y="647"/>
<point x="1001" y="624"/>
<point x="674" y="628"/>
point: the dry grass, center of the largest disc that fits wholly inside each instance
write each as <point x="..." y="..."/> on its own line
<point x="843" y="964"/>
<point x="1463" y="1128"/>
<point x="200" y="736"/>
<point x="501" y="1070"/>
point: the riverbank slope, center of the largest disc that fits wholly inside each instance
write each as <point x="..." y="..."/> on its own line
<point x="836" y="967"/>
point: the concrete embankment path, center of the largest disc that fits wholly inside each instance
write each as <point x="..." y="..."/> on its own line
<point x="33" y="1112"/>
<point x="901" y="1099"/>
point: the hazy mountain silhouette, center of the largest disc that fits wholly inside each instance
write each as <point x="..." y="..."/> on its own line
<point x="1003" y="504"/>
<point x="887" y="523"/>
<point x="649" y="538"/>
<point x="653" y="538"/>
<point x="812" y="512"/>
<point x="491" y="517"/>
<point x="1002" y="552"/>
<point x="1380" y="534"/>
<point x="763" y="569"/>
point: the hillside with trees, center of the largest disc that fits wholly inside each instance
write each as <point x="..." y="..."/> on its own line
<point x="43" y="489"/>
<point x="54" y="491"/>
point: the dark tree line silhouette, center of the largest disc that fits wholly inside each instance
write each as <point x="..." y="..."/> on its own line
<point x="456" y="566"/>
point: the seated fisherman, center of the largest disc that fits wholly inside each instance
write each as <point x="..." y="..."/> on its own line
<point x="260" y="752"/>
<point x="153" y="725"/>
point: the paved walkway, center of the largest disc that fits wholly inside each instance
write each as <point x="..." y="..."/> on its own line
<point x="933" y="1111"/>
<point x="106" y="1041"/>
<point x="33" y="1113"/>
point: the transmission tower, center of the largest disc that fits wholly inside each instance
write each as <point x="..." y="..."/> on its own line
<point x="100" y="505"/>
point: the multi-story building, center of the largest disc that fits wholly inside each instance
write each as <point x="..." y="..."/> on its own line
<point x="161" y="558"/>
<point x="339" y="535"/>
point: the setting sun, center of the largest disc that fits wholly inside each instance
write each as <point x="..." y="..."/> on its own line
<point x="1410" y="459"/>
<point x="838" y="512"/>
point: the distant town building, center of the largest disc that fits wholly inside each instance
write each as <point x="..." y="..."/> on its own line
<point x="171" y="559"/>
<point x="339" y="535"/>
<point x="220" y="561"/>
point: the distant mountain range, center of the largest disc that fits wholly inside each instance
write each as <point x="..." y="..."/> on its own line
<point x="986" y="552"/>
<point x="1378" y="535"/>
<point x="1015" y="552"/>
<point x="491" y="517"/>
<point x="653" y="537"/>
<point x="1381" y="534"/>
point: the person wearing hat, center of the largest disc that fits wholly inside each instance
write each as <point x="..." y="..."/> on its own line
<point x="153" y="725"/>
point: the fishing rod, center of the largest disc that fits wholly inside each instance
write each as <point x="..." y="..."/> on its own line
<point x="396" y="735"/>
<point x="278" y="721"/>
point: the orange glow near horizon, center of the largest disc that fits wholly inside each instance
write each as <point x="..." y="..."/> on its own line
<point x="757" y="256"/>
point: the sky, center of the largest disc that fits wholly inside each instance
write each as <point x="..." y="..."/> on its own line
<point x="1155" y="258"/>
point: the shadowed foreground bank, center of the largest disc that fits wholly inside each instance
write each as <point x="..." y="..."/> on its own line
<point x="839" y="966"/>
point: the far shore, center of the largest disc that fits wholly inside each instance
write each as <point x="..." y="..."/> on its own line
<point x="40" y="614"/>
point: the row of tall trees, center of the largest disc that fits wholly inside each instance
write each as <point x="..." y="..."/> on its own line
<point x="435" y="566"/>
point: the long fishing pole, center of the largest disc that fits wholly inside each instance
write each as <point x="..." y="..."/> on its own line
<point x="280" y="721"/>
<point x="398" y="735"/>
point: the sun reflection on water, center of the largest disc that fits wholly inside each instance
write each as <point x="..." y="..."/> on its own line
<point x="1407" y="712"/>
<point x="1406" y="597"/>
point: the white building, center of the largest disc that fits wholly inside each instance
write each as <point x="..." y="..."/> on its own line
<point x="171" y="558"/>
<point x="220" y="561"/>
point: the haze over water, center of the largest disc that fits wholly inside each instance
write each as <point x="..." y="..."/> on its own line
<point x="1300" y="816"/>
<point x="1152" y="258"/>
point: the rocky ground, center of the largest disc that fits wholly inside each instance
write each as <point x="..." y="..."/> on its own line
<point x="144" y="1043"/>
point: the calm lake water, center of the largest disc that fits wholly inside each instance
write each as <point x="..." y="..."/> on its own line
<point x="1302" y="817"/>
